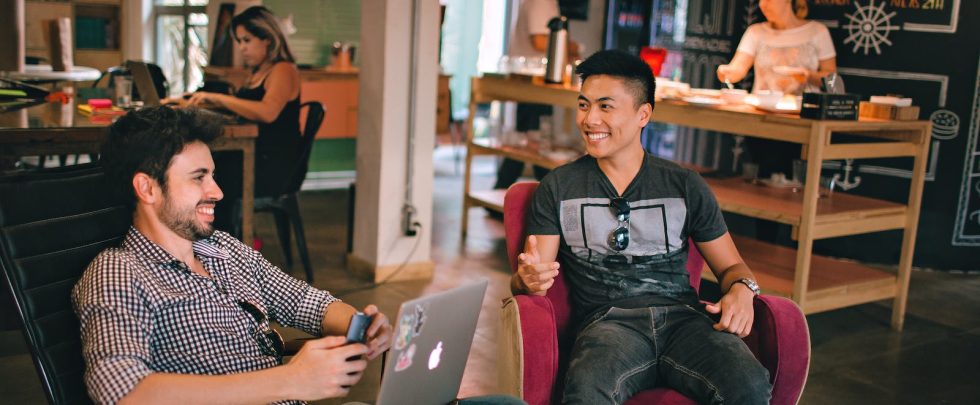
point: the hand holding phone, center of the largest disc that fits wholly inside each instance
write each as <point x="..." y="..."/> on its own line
<point x="357" y="331"/>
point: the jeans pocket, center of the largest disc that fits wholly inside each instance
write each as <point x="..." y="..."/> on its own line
<point x="596" y="318"/>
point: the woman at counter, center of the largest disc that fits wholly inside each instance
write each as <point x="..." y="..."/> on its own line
<point x="269" y="96"/>
<point x="790" y="54"/>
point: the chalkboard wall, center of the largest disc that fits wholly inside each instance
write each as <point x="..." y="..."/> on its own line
<point x="925" y="49"/>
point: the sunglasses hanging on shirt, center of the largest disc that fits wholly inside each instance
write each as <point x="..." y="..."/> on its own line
<point x="274" y="345"/>
<point x="619" y="238"/>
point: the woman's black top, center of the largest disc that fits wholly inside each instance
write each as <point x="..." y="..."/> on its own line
<point x="278" y="146"/>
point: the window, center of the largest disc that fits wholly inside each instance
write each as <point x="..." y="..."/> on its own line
<point x="180" y="47"/>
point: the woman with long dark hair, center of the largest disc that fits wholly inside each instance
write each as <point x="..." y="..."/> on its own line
<point x="270" y="97"/>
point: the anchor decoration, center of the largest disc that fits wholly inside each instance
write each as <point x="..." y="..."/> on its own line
<point x="847" y="184"/>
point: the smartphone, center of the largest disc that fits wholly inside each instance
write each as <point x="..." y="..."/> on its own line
<point x="357" y="331"/>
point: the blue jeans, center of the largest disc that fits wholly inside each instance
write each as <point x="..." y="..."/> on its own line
<point x="625" y="351"/>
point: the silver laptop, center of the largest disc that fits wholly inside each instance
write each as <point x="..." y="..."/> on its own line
<point x="143" y="82"/>
<point x="432" y="340"/>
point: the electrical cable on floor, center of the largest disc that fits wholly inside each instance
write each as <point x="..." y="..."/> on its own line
<point x="418" y="239"/>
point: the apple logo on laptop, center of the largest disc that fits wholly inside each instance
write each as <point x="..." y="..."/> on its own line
<point x="436" y="356"/>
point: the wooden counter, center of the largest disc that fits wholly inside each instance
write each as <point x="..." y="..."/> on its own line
<point x="338" y="91"/>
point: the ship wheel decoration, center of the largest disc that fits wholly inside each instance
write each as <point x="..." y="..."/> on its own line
<point x="869" y="27"/>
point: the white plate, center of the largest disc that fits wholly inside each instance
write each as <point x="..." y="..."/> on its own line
<point x="706" y="92"/>
<point x="785" y="105"/>
<point x="702" y="100"/>
<point x="779" y="108"/>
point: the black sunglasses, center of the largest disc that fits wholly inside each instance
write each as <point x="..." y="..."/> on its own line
<point x="273" y="344"/>
<point x="619" y="238"/>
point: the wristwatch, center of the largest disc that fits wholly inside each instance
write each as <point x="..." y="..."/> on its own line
<point x="751" y="284"/>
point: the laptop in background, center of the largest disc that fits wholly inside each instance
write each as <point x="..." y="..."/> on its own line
<point x="432" y="340"/>
<point x="143" y="82"/>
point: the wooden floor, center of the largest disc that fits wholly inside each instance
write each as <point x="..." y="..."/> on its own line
<point x="857" y="358"/>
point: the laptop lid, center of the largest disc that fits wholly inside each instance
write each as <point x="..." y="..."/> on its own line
<point x="143" y="82"/>
<point x="432" y="340"/>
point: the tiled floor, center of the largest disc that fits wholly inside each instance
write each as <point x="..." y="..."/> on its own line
<point x="857" y="359"/>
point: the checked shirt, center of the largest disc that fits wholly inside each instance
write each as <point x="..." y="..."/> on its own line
<point x="143" y="311"/>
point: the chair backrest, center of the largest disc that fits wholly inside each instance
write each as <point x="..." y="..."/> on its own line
<point x="52" y="224"/>
<point x="517" y="203"/>
<point x="314" y="118"/>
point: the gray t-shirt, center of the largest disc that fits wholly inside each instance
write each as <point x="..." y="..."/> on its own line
<point x="668" y="205"/>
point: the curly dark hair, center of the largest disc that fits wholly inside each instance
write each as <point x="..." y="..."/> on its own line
<point x="634" y="72"/>
<point x="146" y="140"/>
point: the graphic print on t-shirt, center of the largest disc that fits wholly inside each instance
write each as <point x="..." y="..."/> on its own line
<point x="654" y="225"/>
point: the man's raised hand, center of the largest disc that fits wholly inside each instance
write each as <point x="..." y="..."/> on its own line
<point x="537" y="277"/>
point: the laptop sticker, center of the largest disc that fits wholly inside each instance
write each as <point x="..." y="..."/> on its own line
<point x="405" y="359"/>
<point x="419" y="319"/>
<point x="406" y="331"/>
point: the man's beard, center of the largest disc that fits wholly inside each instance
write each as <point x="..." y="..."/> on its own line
<point x="184" y="223"/>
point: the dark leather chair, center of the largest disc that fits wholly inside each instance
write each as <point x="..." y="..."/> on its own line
<point x="285" y="205"/>
<point x="53" y="222"/>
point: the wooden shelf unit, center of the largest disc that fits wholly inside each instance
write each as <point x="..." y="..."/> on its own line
<point x="838" y="214"/>
<point x="833" y="283"/>
<point x="814" y="282"/>
<point x="110" y="11"/>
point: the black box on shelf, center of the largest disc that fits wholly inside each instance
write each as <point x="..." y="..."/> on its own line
<point x="828" y="106"/>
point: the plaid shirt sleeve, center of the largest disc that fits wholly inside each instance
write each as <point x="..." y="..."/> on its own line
<point x="290" y="301"/>
<point x="114" y="328"/>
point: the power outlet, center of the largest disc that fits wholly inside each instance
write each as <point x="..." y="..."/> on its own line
<point x="409" y="226"/>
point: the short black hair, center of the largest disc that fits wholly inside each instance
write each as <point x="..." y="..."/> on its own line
<point x="146" y="140"/>
<point x="634" y="72"/>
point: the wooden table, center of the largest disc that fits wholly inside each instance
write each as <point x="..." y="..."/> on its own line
<point x="57" y="129"/>
<point x="815" y="283"/>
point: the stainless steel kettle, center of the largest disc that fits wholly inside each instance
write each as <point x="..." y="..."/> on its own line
<point x="557" y="50"/>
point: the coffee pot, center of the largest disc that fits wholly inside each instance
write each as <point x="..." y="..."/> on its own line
<point x="557" y="50"/>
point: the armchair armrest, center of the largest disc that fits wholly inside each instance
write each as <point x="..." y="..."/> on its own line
<point x="780" y="340"/>
<point x="528" y="363"/>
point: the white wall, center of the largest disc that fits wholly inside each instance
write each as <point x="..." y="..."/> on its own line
<point x="589" y="32"/>
<point x="383" y="136"/>
<point x="137" y="29"/>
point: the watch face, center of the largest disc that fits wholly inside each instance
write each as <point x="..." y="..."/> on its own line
<point x="751" y="284"/>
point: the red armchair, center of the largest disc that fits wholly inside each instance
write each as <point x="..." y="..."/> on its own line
<point x="536" y="331"/>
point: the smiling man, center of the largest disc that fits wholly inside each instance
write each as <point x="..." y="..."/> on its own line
<point x="179" y="312"/>
<point x="620" y="220"/>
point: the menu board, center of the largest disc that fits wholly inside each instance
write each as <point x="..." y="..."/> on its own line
<point x="924" y="49"/>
